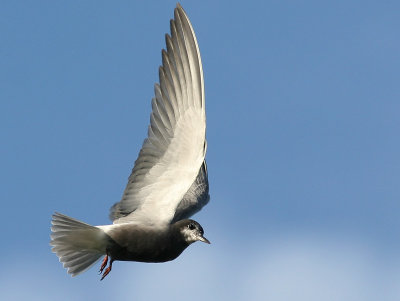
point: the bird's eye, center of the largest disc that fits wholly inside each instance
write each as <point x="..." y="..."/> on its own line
<point x="191" y="226"/>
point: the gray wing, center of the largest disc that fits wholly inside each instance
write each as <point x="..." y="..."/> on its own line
<point x="174" y="151"/>
<point x="196" y="197"/>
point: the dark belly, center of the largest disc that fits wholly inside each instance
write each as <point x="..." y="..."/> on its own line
<point x="144" y="247"/>
<point x="155" y="254"/>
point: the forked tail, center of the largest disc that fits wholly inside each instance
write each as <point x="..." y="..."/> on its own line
<point x="78" y="245"/>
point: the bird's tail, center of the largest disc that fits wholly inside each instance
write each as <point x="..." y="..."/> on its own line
<point x="77" y="244"/>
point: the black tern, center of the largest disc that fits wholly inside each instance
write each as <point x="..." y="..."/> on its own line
<point x="169" y="180"/>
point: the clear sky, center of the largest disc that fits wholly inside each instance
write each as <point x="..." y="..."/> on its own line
<point x="303" y="112"/>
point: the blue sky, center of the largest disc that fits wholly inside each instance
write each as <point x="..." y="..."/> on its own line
<point x="303" y="145"/>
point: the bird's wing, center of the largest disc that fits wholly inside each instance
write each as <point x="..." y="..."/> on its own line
<point x="195" y="198"/>
<point x="174" y="151"/>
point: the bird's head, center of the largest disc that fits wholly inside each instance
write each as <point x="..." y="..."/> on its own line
<point x="191" y="231"/>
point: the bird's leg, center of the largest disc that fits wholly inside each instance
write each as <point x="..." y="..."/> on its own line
<point x="104" y="263"/>
<point x="108" y="270"/>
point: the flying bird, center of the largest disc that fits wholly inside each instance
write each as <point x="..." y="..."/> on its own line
<point x="169" y="181"/>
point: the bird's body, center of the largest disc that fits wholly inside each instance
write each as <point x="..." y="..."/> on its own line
<point x="160" y="245"/>
<point x="169" y="181"/>
<point x="130" y="242"/>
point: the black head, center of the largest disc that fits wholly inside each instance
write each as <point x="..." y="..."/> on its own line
<point x="192" y="231"/>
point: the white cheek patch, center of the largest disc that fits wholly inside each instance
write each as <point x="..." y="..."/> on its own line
<point x="189" y="235"/>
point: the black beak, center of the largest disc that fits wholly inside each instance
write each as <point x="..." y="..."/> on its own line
<point x="203" y="239"/>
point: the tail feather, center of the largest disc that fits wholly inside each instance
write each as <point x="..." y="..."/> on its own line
<point x="78" y="245"/>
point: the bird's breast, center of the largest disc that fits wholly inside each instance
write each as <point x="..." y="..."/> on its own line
<point x="143" y="244"/>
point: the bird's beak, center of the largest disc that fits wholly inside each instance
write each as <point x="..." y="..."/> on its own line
<point x="203" y="239"/>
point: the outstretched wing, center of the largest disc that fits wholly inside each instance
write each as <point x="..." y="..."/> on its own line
<point x="174" y="151"/>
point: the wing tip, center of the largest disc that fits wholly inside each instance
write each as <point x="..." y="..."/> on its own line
<point x="179" y="6"/>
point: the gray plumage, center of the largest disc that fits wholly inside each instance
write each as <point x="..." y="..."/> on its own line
<point x="195" y="198"/>
<point x="169" y="180"/>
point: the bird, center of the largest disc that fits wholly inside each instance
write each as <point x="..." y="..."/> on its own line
<point x="169" y="179"/>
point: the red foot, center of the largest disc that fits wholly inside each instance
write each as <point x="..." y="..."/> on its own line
<point x="108" y="270"/>
<point x="104" y="264"/>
